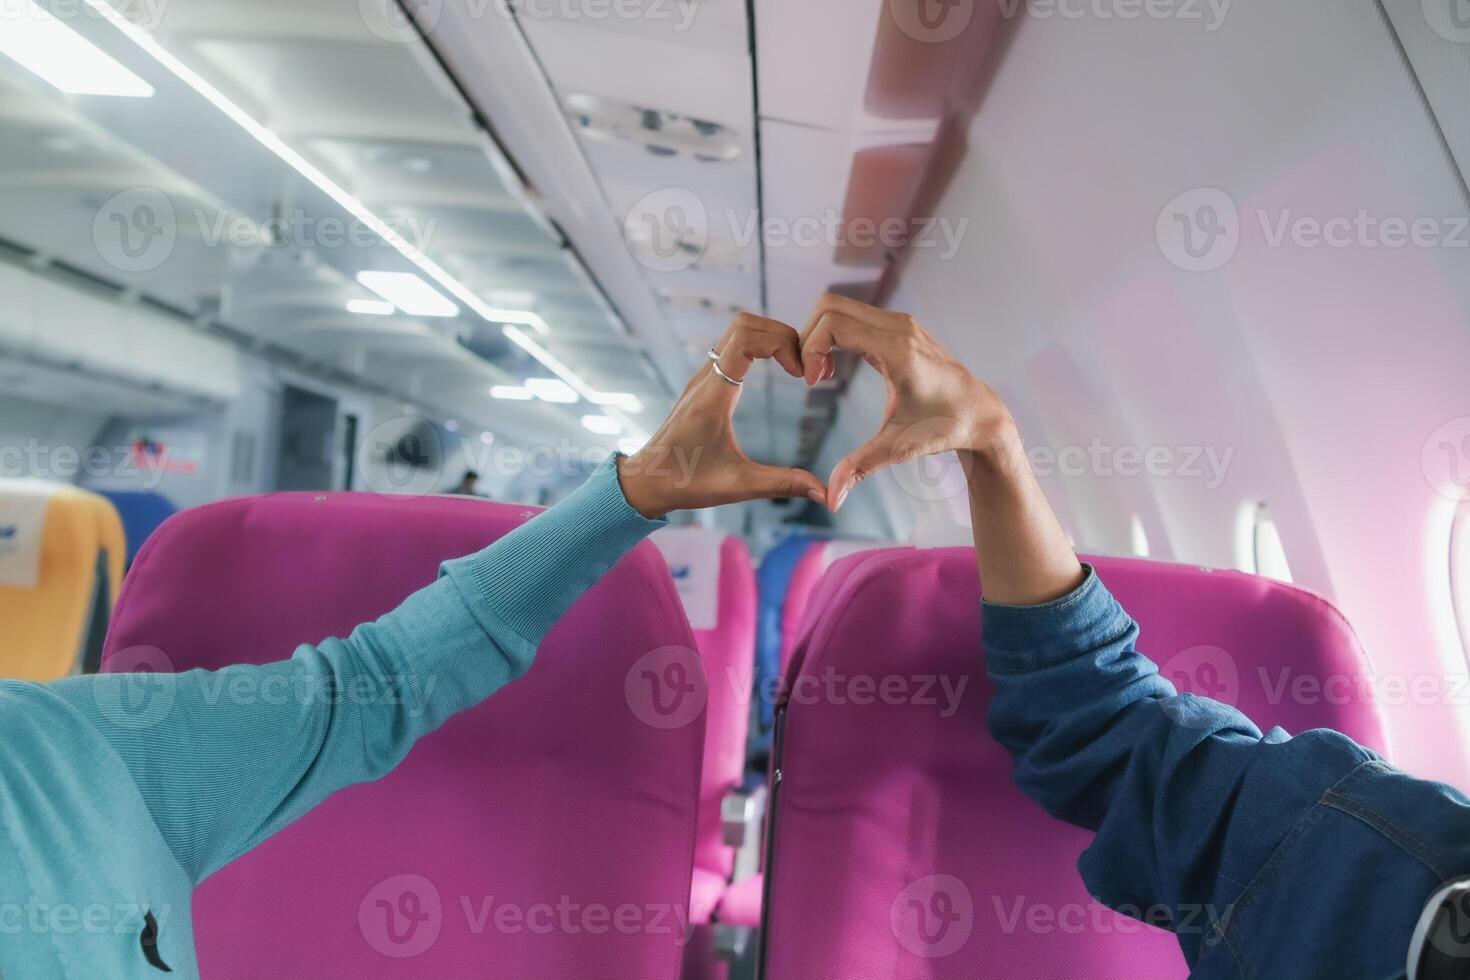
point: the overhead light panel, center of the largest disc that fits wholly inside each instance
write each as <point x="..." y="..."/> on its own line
<point x="553" y="364"/>
<point x="601" y="424"/>
<point x="38" y="41"/>
<point x="408" y="293"/>
<point x="511" y="393"/>
<point x="618" y="399"/>
<point x="371" y="307"/>
<point x="552" y="390"/>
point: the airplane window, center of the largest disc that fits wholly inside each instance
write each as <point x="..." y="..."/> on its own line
<point x="1258" y="546"/>
<point x="1267" y="552"/>
<point x="1140" y="538"/>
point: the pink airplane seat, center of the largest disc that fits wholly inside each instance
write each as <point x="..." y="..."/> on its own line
<point x="716" y="582"/>
<point x="555" y="792"/>
<point x="810" y="568"/>
<point x="902" y="848"/>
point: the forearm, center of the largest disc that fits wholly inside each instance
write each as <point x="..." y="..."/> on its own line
<point x="265" y="743"/>
<point x="1023" y="552"/>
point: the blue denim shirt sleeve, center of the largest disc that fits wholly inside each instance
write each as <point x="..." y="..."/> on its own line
<point x="1188" y="798"/>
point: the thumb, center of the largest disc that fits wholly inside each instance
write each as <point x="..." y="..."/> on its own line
<point x="861" y="463"/>
<point x="776" y="482"/>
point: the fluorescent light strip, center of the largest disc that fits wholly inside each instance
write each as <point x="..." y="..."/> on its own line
<point x="619" y="399"/>
<point x="303" y="166"/>
<point x="408" y="293"/>
<point x="552" y="390"/>
<point x="371" y="307"/>
<point x="511" y="393"/>
<point x="601" y="425"/>
<point x="38" y="41"/>
<point x="548" y="360"/>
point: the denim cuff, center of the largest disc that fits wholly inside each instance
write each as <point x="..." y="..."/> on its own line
<point x="529" y="579"/>
<point x="1026" y="638"/>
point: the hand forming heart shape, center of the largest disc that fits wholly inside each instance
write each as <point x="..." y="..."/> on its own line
<point x="934" y="405"/>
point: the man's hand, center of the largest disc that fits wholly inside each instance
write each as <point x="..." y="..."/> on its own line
<point x="693" y="461"/>
<point x="935" y="404"/>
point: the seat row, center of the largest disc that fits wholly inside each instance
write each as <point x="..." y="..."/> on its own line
<point x="587" y="819"/>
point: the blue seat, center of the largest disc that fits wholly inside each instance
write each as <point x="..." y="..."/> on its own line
<point x="773" y="578"/>
<point x="141" y="513"/>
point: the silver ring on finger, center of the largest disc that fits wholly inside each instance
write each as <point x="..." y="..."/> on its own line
<point x="714" y="360"/>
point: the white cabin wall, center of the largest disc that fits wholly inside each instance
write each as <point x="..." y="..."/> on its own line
<point x="1322" y="372"/>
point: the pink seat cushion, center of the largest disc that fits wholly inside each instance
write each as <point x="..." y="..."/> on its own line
<point x="802" y="589"/>
<point x="902" y="848"/>
<point x="741" y="905"/>
<point x="552" y="794"/>
<point x="705" y="893"/>
<point x="716" y="581"/>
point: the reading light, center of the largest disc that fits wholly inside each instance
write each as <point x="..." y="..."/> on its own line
<point x="38" y="41"/>
<point x="371" y="307"/>
<point x="552" y="390"/>
<point x="511" y="393"/>
<point x="408" y="293"/>
<point x="601" y="424"/>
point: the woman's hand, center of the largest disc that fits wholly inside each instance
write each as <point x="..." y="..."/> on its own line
<point x="693" y="460"/>
<point x="935" y="404"/>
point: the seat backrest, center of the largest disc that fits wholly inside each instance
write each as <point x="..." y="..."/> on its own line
<point x="902" y="847"/>
<point x="712" y="571"/>
<point x="774" y="581"/>
<point x="810" y="568"/>
<point x="561" y="791"/>
<point x="141" y="513"/>
<point x="61" y="561"/>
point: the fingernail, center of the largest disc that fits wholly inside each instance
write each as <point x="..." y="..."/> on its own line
<point x="817" y="496"/>
<point x="840" y="498"/>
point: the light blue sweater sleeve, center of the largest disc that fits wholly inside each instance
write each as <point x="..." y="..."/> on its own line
<point x="223" y="759"/>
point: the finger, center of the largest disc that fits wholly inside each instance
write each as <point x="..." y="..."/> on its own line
<point x="753" y="338"/>
<point x="778" y="482"/>
<point x="834" y="329"/>
<point x="857" y="466"/>
<point x="857" y="309"/>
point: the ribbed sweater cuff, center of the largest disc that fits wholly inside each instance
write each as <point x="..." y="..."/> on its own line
<point x="528" y="579"/>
